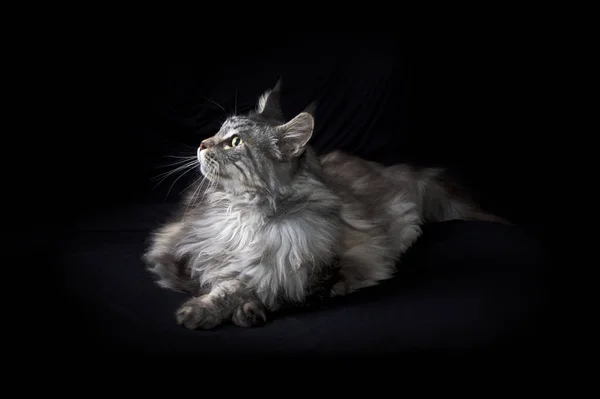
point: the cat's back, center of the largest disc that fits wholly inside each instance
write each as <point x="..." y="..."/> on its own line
<point x="364" y="176"/>
<point x="346" y="167"/>
<point x="351" y="172"/>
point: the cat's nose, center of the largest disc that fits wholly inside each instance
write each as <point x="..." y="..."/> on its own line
<point x="203" y="145"/>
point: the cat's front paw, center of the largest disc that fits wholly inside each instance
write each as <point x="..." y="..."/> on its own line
<point x="198" y="314"/>
<point x="250" y="314"/>
<point x="340" y="288"/>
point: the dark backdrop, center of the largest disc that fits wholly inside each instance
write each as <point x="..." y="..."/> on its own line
<point x="467" y="103"/>
<point x="472" y="103"/>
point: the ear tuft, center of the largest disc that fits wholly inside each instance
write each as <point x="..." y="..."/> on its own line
<point x="262" y="101"/>
<point x="268" y="103"/>
<point x="311" y="109"/>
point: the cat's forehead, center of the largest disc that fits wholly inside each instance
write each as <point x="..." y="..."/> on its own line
<point x="236" y="125"/>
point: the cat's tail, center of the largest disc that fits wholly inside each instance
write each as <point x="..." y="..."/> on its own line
<point x="442" y="198"/>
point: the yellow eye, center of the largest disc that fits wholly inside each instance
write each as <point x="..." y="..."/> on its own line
<point x="235" y="141"/>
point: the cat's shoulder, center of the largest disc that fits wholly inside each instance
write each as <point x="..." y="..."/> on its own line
<point x="337" y="157"/>
<point x="347" y="167"/>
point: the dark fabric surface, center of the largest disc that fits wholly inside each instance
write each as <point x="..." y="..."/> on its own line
<point x="465" y="286"/>
<point x="468" y="102"/>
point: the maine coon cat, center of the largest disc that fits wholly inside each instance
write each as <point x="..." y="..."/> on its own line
<point x="276" y="225"/>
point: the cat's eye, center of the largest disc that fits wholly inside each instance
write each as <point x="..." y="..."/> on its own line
<point x="235" y="141"/>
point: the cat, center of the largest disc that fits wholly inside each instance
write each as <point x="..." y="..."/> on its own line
<point x="275" y="225"/>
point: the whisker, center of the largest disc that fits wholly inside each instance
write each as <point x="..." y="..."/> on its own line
<point x="178" y="157"/>
<point x="194" y="182"/>
<point x="216" y="103"/>
<point x="210" y="123"/>
<point x="181" y="149"/>
<point x="202" y="187"/>
<point x="184" y="169"/>
<point x="212" y="184"/>
<point x="177" y="163"/>
<point x="175" y="170"/>
<point x="194" y="194"/>
<point x="172" y="184"/>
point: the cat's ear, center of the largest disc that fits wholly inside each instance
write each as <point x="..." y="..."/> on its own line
<point x="295" y="134"/>
<point x="269" y="103"/>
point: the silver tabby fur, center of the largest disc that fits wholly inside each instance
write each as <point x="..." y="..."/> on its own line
<point x="276" y="224"/>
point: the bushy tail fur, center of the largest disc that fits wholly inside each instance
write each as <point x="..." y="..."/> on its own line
<point x="443" y="199"/>
<point x="439" y="197"/>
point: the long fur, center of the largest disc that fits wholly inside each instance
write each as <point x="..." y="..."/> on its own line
<point x="274" y="225"/>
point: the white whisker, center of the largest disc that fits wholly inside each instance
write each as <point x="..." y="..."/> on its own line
<point x="211" y="186"/>
<point x="180" y="176"/>
<point x="164" y="178"/>
<point x="175" y="156"/>
<point x="178" y="162"/>
<point x="183" y="168"/>
<point x="194" y="182"/>
<point x="191" y="200"/>
<point x="213" y="183"/>
<point x="216" y="103"/>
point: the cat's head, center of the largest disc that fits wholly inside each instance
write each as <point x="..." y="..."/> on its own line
<point x="256" y="151"/>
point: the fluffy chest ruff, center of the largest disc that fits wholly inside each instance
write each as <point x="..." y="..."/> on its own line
<point x="274" y="255"/>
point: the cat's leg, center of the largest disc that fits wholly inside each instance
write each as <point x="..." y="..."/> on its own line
<point x="357" y="272"/>
<point x="160" y="259"/>
<point x="374" y="259"/>
<point x="250" y="313"/>
<point x="227" y="300"/>
<point x="319" y="284"/>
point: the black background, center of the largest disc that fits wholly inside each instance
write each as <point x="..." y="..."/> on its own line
<point x="474" y="103"/>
